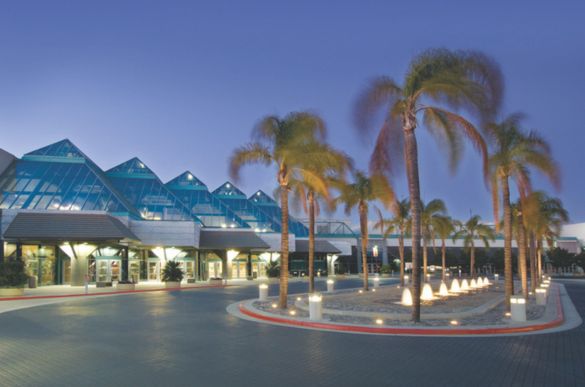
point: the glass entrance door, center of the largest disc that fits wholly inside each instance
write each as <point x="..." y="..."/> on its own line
<point x="214" y="269"/>
<point x="108" y="270"/>
<point x="153" y="270"/>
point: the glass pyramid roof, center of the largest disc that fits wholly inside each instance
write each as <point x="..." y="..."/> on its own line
<point x="141" y="187"/>
<point x="237" y="201"/>
<point x="63" y="149"/>
<point x="133" y="168"/>
<point x="60" y="177"/>
<point x="268" y="205"/>
<point x="186" y="181"/>
<point x="208" y="208"/>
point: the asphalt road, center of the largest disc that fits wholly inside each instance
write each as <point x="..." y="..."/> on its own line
<point x="187" y="338"/>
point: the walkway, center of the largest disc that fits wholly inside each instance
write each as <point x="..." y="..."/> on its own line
<point x="187" y="338"/>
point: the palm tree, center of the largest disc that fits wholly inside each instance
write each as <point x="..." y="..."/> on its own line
<point x="437" y="83"/>
<point x="470" y="231"/>
<point x="514" y="152"/>
<point x="400" y="223"/>
<point x="430" y="211"/>
<point x="360" y="193"/>
<point x="544" y="217"/>
<point x="310" y="188"/>
<point x="443" y="227"/>
<point x="290" y="144"/>
<point x="519" y="232"/>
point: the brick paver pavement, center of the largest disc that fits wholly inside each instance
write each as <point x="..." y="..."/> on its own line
<point x="187" y="338"/>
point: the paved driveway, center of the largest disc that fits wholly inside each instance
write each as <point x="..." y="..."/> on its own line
<point x="187" y="338"/>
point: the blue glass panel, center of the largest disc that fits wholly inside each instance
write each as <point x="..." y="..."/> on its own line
<point x="141" y="187"/>
<point x="235" y="199"/>
<point x="210" y="210"/>
<point x="57" y="185"/>
<point x="269" y="206"/>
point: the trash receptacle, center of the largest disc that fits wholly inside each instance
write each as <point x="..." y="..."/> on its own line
<point x="32" y="282"/>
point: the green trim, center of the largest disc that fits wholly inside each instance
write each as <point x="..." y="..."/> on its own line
<point x="54" y="159"/>
<point x="145" y="176"/>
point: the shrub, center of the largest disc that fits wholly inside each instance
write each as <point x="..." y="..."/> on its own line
<point x="386" y="269"/>
<point x="273" y="269"/>
<point x="172" y="272"/>
<point x="12" y="274"/>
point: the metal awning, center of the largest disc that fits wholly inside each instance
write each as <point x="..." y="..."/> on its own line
<point x="321" y="246"/>
<point x="228" y="239"/>
<point x="71" y="227"/>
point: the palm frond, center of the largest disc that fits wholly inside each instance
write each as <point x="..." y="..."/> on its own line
<point x="253" y="153"/>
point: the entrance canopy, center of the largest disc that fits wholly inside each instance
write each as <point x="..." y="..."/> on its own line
<point x="321" y="246"/>
<point x="55" y="226"/>
<point x="227" y="240"/>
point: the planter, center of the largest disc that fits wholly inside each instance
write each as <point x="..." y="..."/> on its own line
<point x="11" y="292"/>
<point x="385" y="275"/>
<point x="125" y="286"/>
<point x="103" y="284"/>
<point x="172" y="284"/>
<point x="216" y="281"/>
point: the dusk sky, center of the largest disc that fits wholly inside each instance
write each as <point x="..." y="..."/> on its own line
<point x="180" y="84"/>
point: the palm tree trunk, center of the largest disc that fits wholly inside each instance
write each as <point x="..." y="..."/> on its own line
<point x="522" y="256"/>
<point x="539" y="258"/>
<point x="401" y="252"/>
<point x="443" y="259"/>
<point x="282" y="300"/>
<point x="311" y="241"/>
<point x="508" y="276"/>
<point x="472" y="263"/>
<point x="533" y="274"/>
<point x="425" y="258"/>
<point x="363" y="209"/>
<point x="411" y="160"/>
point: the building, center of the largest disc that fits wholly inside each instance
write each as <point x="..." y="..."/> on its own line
<point x="72" y="222"/>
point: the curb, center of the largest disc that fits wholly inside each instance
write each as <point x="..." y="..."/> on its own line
<point x="559" y="320"/>
<point x="25" y="298"/>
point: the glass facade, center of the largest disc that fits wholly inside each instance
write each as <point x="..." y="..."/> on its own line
<point x="209" y="209"/>
<point x="245" y="209"/>
<point x="59" y="177"/>
<point x="141" y="187"/>
<point x="270" y="207"/>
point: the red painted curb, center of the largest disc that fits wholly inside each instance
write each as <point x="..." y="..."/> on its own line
<point x="24" y="298"/>
<point x="411" y="331"/>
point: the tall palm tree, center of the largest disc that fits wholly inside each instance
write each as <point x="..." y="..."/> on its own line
<point x="443" y="227"/>
<point x="430" y="211"/>
<point x="438" y="83"/>
<point x="470" y="231"/>
<point x="519" y="232"/>
<point x="400" y="223"/>
<point x="289" y="144"/>
<point x="544" y="217"/>
<point x="514" y="152"/>
<point x="363" y="190"/>
<point x="309" y="189"/>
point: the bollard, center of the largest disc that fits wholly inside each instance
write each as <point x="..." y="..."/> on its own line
<point x="315" y="307"/>
<point x="518" y="308"/>
<point x="406" y="280"/>
<point x="330" y="285"/>
<point x="376" y="282"/>
<point x="263" y="292"/>
<point x="496" y="278"/>
<point x="540" y="296"/>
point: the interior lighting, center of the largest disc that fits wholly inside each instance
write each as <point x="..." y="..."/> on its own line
<point x="274" y="306"/>
<point x="379" y="321"/>
<point x="454" y="322"/>
<point x="292" y="312"/>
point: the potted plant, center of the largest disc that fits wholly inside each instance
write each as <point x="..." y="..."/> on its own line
<point x="172" y="275"/>
<point x="13" y="277"/>
<point x="385" y="271"/>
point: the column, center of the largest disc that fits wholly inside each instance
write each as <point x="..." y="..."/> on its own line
<point x="249" y="266"/>
<point x="124" y="267"/>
